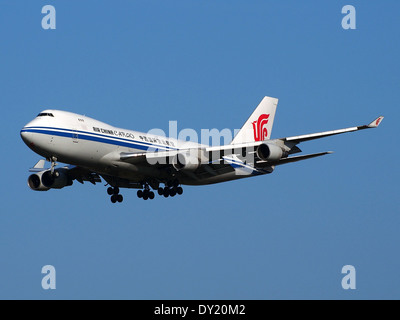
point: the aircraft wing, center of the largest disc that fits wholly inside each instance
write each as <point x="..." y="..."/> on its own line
<point x="132" y="157"/>
<point x="307" y="137"/>
<point x="216" y="162"/>
<point x="164" y="158"/>
<point x="81" y="174"/>
<point x="151" y="157"/>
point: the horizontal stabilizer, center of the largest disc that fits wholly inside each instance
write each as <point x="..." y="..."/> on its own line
<point x="295" y="159"/>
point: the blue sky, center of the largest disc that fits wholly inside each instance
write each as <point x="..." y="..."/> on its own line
<point x="207" y="64"/>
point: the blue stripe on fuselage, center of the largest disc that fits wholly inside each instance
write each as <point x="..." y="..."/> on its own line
<point x="100" y="135"/>
<point x="82" y="135"/>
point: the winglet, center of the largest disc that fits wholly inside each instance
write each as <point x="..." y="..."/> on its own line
<point x="376" y="122"/>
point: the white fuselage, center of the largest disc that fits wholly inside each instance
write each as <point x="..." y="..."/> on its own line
<point x="82" y="141"/>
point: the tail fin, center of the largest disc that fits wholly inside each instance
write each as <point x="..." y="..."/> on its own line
<point x="259" y="126"/>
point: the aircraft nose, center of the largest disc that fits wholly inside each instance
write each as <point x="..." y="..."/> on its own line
<point x="28" y="136"/>
<point x="25" y="135"/>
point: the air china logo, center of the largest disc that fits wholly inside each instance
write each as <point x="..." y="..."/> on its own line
<point x="260" y="128"/>
<point x="377" y="121"/>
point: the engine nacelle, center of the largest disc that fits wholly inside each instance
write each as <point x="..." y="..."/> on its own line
<point x="43" y="181"/>
<point x="269" y="152"/>
<point x="35" y="182"/>
<point x="59" y="179"/>
<point x="186" y="161"/>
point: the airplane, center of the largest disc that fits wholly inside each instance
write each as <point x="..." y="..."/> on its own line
<point x="93" y="150"/>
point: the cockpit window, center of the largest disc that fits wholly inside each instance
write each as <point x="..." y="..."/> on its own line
<point x="44" y="114"/>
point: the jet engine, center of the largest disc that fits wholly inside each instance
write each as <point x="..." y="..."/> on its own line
<point x="269" y="152"/>
<point x="45" y="180"/>
<point x="35" y="182"/>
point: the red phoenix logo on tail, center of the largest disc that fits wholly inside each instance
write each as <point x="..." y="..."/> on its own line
<point x="260" y="128"/>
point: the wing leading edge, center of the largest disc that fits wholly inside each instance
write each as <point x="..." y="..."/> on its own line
<point x="307" y="137"/>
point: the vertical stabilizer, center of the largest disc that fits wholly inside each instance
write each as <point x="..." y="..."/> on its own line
<point x="259" y="126"/>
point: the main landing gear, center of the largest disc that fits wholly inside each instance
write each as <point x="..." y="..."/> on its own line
<point x="115" y="196"/>
<point x="171" y="189"/>
<point x="145" y="194"/>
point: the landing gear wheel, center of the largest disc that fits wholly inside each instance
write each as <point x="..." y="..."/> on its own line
<point x="160" y="191"/>
<point x="116" y="190"/>
<point x="166" y="192"/>
<point x="114" y="198"/>
<point x="110" y="191"/>
<point x="151" y="195"/>
<point x="172" y="192"/>
<point x="120" y="198"/>
<point x="179" y="190"/>
<point x="140" y="194"/>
